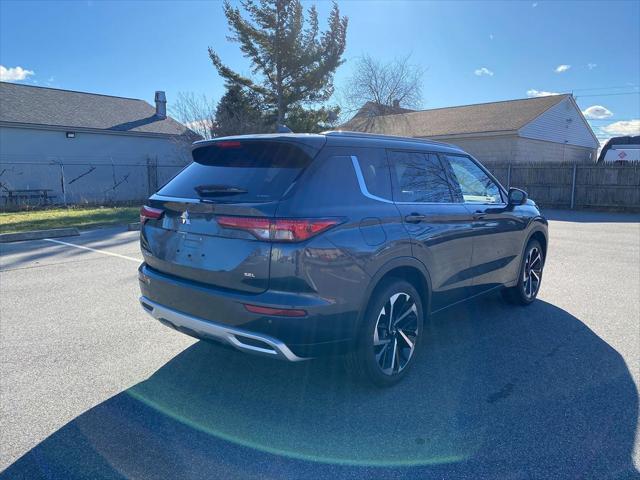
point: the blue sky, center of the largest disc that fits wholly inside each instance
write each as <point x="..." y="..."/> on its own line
<point x="472" y="51"/>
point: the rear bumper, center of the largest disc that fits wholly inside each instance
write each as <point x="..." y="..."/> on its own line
<point x="238" y="338"/>
<point x="328" y="328"/>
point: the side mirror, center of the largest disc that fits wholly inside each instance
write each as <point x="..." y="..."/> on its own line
<point x="517" y="197"/>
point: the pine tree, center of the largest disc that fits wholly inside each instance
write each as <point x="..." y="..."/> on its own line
<point x="292" y="62"/>
<point x="238" y="112"/>
<point x="312" y="120"/>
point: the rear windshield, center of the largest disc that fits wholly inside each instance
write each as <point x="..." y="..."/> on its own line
<point x="232" y="172"/>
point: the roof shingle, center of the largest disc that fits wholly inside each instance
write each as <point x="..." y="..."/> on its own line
<point x="502" y="116"/>
<point x="27" y="104"/>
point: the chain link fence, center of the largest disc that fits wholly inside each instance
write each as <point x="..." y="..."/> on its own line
<point x="27" y="184"/>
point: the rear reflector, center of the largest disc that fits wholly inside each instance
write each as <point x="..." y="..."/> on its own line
<point x="279" y="229"/>
<point x="150" y="213"/>
<point x="282" y="312"/>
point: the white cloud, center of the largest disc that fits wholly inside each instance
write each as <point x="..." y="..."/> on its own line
<point x="623" y="127"/>
<point x="591" y="66"/>
<point x="597" y="112"/>
<point x="532" y="92"/>
<point x="14" y="74"/>
<point x="562" y="68"/>
<point x="483" y="71"/>
<point x="491" y="36"/>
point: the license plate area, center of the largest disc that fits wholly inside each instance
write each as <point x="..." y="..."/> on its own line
<point x="190" y="250"/>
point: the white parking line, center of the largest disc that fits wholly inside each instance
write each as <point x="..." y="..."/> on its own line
<point x="104" y="252"/>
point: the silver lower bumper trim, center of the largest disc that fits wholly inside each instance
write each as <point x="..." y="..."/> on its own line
<point x="258" y="343"/>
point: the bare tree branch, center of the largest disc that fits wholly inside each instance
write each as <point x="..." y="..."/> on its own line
<point x="396" y="83"/>
<point x="196" y="112"/>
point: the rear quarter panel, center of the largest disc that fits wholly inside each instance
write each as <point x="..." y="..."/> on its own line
<point x="340" y="263"/>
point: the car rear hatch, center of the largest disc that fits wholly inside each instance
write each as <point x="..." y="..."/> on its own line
<point x="210" y="223"/>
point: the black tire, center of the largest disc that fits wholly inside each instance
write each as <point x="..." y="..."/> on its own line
<point x="530" y="276"/>
<point x="396" y="347"/>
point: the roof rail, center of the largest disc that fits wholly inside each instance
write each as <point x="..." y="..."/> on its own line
<point x="347" y="133"/>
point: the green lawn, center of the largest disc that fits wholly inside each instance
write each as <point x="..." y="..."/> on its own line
<point x="63" y="217"/>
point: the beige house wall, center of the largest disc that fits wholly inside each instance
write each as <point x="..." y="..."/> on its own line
<point x="514" y="149"/>
<point x="530" y="150"/>
<point x="502" y="148"/>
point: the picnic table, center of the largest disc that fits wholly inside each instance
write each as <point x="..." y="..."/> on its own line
<point x="26" y="195"/>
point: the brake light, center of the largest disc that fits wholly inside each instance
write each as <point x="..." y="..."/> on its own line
<point x="150" y="213"/>
<point x="279" y="229"/>
<point x="283" y="312"/>
<point x="228" y="144"/>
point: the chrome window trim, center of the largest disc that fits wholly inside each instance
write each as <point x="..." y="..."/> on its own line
<point x="362" y="184"/>
<point x="497" y="204"/>
<point x="447" y="203"/>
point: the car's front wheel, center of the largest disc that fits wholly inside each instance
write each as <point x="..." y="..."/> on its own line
<point x="391" y="334"/>
<point x="526" y="291"/>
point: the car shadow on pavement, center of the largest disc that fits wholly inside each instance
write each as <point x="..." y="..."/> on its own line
<point x="500" y="392"/>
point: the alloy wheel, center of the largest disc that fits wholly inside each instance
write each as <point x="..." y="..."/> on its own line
<point x="396" y="333"/>
<point x="532" y="272"/>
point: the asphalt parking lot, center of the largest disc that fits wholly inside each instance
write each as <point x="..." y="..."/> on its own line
<point x="91" y="387"/>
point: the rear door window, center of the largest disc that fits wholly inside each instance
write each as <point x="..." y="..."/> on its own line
<point x="419" y="178"/>
<point x="239" y="172"/>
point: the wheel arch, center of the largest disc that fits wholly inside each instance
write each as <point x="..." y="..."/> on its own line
<point x="538" y="229"/>
<point x="539" y="235"/>
<point x="404" y="268"/>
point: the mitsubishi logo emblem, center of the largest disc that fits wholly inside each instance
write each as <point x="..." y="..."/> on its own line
<point x="184" y="218"/>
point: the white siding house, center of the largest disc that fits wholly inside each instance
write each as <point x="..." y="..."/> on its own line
<point x="562" y="123"/>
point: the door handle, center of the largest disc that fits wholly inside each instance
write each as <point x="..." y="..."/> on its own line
<point x="479" y="215"/>
<point x="414" y="218"/>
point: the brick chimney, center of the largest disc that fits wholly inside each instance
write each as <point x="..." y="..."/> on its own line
<point x="161" y="104"/>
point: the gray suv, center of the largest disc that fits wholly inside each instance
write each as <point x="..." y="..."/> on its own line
<point x="294" y="246"/>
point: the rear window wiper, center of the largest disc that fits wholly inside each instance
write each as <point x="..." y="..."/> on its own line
<point x="218" y="190"/>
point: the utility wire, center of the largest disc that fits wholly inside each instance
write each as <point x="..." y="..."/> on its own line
<point x="607" y="94"/>
<point x="610" y="119"/>
<point x="603" y="88"/>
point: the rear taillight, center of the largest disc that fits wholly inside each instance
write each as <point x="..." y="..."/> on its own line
<point x="279" y="229"/>
<point x="150" y="213"/>
<point x="258" y="226"/>
<point x="299" y="229"/>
